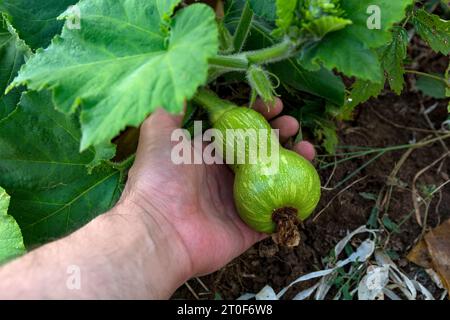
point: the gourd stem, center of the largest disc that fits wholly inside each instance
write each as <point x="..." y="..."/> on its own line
<point x="215" y="106"/>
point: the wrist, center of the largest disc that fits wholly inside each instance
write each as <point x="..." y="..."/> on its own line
<point x="155" y="247"/>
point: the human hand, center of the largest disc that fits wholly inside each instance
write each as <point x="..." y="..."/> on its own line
<point x="173" y="222"/>
<point x="194" y="204"/>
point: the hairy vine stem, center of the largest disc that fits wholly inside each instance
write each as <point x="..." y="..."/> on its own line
<point x="278" y="52"/>
<point x="230" y="63"/>
<point x="241" y="62"/>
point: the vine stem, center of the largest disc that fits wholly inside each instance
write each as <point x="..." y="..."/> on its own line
<point x="427" y="75"/>
<point x="407" y="20"/>
<point x="243" y="28"/>
<point x="280" y="51"/>
<point x="124" y="165"/>
<point x="241" y="62"/>
<point x="233" y="62"/>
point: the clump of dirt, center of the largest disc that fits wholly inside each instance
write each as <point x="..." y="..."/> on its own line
<point x="387" y="121"/>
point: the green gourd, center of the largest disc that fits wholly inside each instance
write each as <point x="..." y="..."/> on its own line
<point x="269" y="203"/>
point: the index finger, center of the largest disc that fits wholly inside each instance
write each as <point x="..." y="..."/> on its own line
<point x="267" y="110"/>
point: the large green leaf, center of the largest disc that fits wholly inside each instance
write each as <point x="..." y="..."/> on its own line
<point x="12" y="55"/>
<point x="392" y="58"/>
<point x="350" y="50"/>
<point x="47" y="178"/>
<point x="434" y="30"/>
<point x="11" y="241"/>
<point x="391" y="12"/>
<point x="35" y="20"/>
<point x="285" y="14"/>
<point x="322" y="83"/>
<point x="263" y="8"/>
<point x="322" y="26"/>
<point x="361" y="92"/>
<point x="431" y="86"/>
<point x="344" y="52"/>
<point x="120" y="66"/>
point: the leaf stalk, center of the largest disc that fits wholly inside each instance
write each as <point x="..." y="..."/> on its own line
<point x="243" y="28"/>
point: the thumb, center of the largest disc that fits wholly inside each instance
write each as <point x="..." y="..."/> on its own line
<point x="157" y="130"/>
<point x="161" y="121"/>
<point x="154" y="147"/>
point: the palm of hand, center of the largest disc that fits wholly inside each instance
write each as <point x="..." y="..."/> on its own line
<point x="201" y="209"/>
